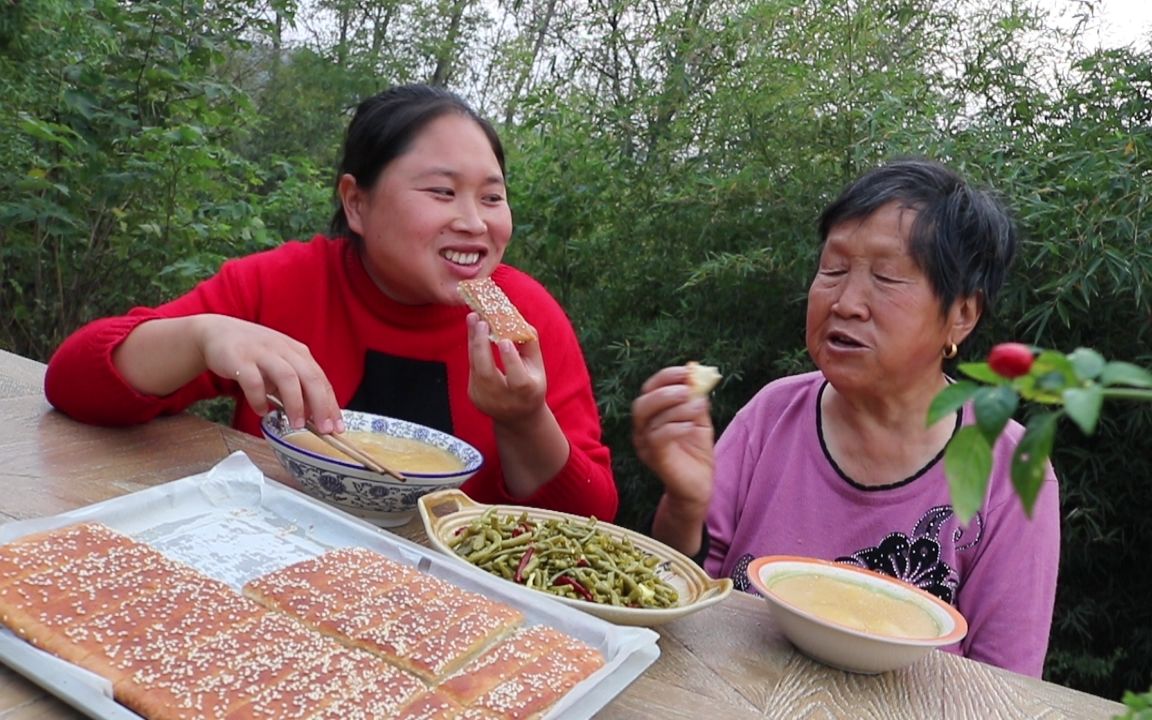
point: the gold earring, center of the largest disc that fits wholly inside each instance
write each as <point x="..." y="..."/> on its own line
<point x="950" y="351"/>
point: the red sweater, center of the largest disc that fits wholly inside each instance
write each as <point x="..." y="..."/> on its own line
<point x="380" y="356"/>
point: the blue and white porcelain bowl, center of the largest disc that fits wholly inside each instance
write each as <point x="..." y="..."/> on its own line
<point x="380" y="499"/>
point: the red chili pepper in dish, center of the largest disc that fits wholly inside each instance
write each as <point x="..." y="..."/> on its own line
<point x="1010" y="360"/>
<point x="519" y="577"/>
<point x="575" y="585"/>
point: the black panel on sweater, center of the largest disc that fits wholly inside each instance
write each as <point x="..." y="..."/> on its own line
<point x="413" y="390"/>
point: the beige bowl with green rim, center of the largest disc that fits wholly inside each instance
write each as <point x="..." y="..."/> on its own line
<point x="447" y="511"/>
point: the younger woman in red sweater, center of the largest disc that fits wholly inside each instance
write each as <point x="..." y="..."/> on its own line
<point x="369" y="318"/>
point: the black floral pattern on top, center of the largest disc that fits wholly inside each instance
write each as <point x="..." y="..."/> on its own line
<point x="915" y="559"/>
<point x="740" y="579"/>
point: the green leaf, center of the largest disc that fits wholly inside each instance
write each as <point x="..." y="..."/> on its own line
<point x="1083" y="406"/>
<point x="1050" y="362"/>
<point x="1047" y="383"/>
<point x="1123" y="373"/>
<point x="1087" y="363"/>
<point x="1030" y="388"/>
<point x="967" y="463"/>
<point x="1030" y="457"/>
<point x="47" y="132"/>
<point x="80" y="102"/>
<point x="994" y="407"/>
<point x="980" y="371"/>
<point x="951" y="399"/>
<point x="190" y="134"/>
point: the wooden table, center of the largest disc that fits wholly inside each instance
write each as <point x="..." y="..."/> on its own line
<point x="727" y="661"/>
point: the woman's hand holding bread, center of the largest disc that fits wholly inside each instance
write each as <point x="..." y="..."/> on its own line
<point x="673" y="435"/>
<point x="533" y="447"/>
<point x="514" y="392"/>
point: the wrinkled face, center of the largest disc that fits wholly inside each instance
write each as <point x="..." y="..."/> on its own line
<point x="438" y="214"/>
<point x="874" y="325"/>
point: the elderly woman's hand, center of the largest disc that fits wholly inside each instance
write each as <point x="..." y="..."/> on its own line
<point x="673" y="434"/>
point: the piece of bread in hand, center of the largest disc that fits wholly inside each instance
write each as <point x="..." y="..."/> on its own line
<point x="504" y="321"/>
<point x="702" y="378"/>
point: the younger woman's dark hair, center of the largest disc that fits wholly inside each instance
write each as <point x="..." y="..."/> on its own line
<point x="963" y="238"/>
<point x="383" y="128"/>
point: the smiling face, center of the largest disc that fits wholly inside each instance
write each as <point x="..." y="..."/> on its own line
<point x="437" y="214"/>
<point x="874" y="326"/>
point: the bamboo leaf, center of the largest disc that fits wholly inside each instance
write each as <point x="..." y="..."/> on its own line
<point x="48" y="132"/>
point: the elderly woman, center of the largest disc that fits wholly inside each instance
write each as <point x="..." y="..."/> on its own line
<point x="840" y="463"/>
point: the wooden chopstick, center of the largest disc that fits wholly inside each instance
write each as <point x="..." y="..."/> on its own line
<point x="348" y="448"/>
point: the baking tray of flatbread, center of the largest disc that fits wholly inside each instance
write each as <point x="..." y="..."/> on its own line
<point x="234" y="526"/>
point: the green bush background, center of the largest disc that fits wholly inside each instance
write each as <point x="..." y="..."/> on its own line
<point x="667" y="161"/>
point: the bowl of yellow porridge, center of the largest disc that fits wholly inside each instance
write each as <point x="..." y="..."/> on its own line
<point x="852" y="618"/>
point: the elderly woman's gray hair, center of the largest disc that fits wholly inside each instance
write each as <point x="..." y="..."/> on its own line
<point x="963" y="238"/>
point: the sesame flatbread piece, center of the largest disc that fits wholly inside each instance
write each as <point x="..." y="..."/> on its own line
<point x="505" y="322"/>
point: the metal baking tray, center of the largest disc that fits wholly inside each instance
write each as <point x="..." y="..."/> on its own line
<point x="234" y="524"/>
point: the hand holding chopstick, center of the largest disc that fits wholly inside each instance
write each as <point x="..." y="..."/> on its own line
<point x="348" y="448"/>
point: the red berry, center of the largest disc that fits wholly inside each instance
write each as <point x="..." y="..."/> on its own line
<point x="1010" y="360"/>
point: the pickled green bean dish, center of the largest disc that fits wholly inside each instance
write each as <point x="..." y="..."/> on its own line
<point x="566" y="558"/>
